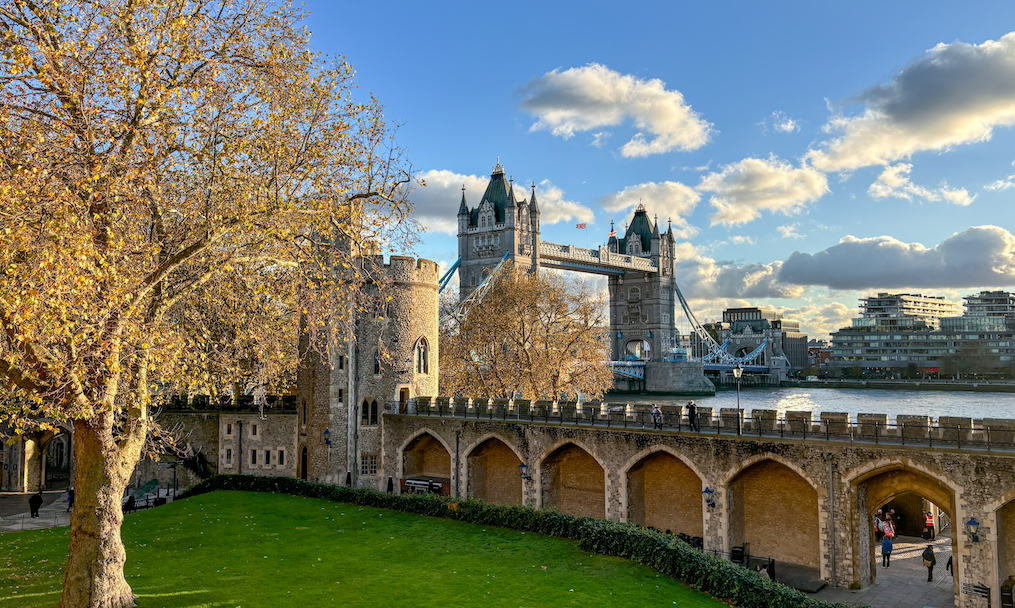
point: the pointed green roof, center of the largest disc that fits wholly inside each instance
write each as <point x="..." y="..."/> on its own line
<point x="499" y="192"/>
<point x="641" y="227"/>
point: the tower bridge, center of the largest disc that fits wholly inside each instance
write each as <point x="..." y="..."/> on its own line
<point x="640" y="272"/>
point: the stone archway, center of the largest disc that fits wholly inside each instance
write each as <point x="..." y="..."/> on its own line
<point x="879" y="483"/>
<point x="426" y="457"/>
<point x="1001" y="517"/>
<point x="492" y="472"/>
<point x="664" y="492"/>
<point x="775" y="509"/>
<point x="572" y="481"/>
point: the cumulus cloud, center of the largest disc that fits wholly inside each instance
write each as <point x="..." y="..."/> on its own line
<point x="789" y="231"/>
<point x="978" y="256"/>
<point x="703" y="278"/>
<point x="670" y="200"/>
<point x="1001" y="184"/>
<point x="953" y="94"/>
<point x="894" y="182"/>
<point x="742" y="240"/>
<point x="594" y="96"/>
<point x="436" y="204"/>
<point x="746" y="188"/>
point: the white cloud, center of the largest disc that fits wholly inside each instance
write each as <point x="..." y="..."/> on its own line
<point x="781" y="123"/>
<point x="977" y="257"/>
<point x="820" y="320"/>
<point x="789" y="231"/>
<point x="703" y="278"/>
<point x="670" y="200"/>
<point x="742" y="240"/>
<point x="593" y="96"/>
<point x="954" y="94"/>
<point x="746" y="188"/>
<point x="894" y="182"/>
<point x="554" y="208"/>
<point x="436" y="204"/>
<point x="1001" y="184"/>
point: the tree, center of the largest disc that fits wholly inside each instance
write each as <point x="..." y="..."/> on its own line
<point x="175" y="175"/>
<point x="539" y="336"/>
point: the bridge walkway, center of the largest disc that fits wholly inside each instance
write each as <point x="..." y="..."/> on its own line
<point x="933" y="436"/>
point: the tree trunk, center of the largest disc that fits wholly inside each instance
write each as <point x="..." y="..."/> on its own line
<point x="94" y="575"/>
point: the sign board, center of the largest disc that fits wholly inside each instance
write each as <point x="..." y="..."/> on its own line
<point x="979" y="590"/>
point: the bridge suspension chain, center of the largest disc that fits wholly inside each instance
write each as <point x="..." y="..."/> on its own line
<point x="458" y="313"/>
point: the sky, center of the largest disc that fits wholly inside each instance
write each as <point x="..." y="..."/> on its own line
<point x="806" y="154"/>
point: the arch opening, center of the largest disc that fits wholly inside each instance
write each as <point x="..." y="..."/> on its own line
<point x="638" y="350"/>
<point x="426" y="463"/>
<point x="573" y="482"/>
<point x="1005" y="542"/>
<point x="493" y="473"/>
<point x="773" y="511"/>
<point x="665" y="494"/>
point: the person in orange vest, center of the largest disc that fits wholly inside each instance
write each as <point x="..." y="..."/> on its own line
<point x="929" y="523"/>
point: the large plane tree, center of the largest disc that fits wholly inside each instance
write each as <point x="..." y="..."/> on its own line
<point x="171" y="172"/>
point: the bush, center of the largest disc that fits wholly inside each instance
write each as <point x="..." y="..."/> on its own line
<point x="664" y="553"/>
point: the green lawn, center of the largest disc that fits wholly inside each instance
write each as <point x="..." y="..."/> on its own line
<point x="252" y="549"/>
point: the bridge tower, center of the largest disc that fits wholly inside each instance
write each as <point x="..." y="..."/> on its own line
<point x="642" y="304"/>
<point x="503" y="221"/>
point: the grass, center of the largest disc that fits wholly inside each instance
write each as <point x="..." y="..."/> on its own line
<point x="255" y="549"/>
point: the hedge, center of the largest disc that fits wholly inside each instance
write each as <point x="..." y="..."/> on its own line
<point x="719" y="578"/>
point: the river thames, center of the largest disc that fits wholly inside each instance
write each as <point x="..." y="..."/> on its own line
<point x="851" y="401"/>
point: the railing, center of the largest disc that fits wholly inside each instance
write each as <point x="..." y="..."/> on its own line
<point x="982" y="436"/>
<point x="597" y="257"/>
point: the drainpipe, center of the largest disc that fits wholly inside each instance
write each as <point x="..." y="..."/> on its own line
<point x="830" y="458"/>
<point x="458" y="465"/>
<point x="354" y="395"/>
<point x="239" y="455"/>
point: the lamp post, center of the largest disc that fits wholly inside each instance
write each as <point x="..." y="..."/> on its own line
<point x="738" y="371"/>
<point x="971" y="526"/>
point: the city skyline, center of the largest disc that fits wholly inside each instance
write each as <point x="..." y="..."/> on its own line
<point x="807" y="156"/>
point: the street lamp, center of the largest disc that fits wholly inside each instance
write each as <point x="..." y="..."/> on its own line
<point x="738" y="371"/>
<point x="971" y="526"/>
<point x="523" y="470"/>
<point x="709" y="495"/>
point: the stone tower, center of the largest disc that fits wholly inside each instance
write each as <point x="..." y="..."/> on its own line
<point x="391" y="356"/>
<point x="642" y="323"/>
<point x="502" y="222"/>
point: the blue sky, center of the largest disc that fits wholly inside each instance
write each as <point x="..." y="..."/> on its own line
<point x="807" y="153"/>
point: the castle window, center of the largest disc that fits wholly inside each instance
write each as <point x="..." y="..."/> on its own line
<point x="422" y="356"/>
<point x="369" y="417"/>
<point x="253" y="430"/>
<point x="635" y="294"/>
<point x="368" y="464"/>
<point x="281" y="458"/>
<point x="373" y="413"/>
<point x="482" y="221"/>
<point x="229" y="428"/>
<point x="377" y="362"/>
<point x="304" y="412"/>
<point x="253" y="456"/>
<point x="341" y="362"/>
<point x="340" y="395"/>
<point x="267" y="457"/>
<point x="229" y="456"/>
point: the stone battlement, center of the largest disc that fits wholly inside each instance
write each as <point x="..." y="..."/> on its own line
<point x="404" y="269"/>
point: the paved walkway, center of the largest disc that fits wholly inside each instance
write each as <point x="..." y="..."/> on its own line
<point x="904" y="584"/>
<point x="53" y="512"/>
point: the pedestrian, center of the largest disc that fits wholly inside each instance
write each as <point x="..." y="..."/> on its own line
<point x="896" y="519"/>
<point x="70" y="499"/>
<point x="762" y="570"/>
<point x="34" y="503"/>
<point x="929" y="525"/>
<point x="879" y="525"/>
<point x="886" y="551"/>
<point x="929" y="560"/>
<point x="692" y="416"/>
<point x="889" y="527"/>
<point x="948" y="566"/>
<point x="657" y="417"/>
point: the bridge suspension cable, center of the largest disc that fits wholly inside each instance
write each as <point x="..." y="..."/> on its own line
<point x="717" y="353"/>
<point x="458" y="312"/>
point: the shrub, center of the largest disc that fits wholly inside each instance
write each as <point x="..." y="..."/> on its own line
<point x="719" y="578"/>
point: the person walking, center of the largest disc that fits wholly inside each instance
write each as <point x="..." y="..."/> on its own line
<point x="889" y="527"/>
<point x="34" y="503"/>
<point x="929" y="525"/>
<point x="692" y="416"/>
<point x="70" y="499"/>
<point x="929" y="560"/>
<point x="886" y="551"/>
<point x="879" y="525"/>
<point x="657" y="417"/>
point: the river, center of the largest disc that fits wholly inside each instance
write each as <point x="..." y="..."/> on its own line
<point x="850" y="400"/>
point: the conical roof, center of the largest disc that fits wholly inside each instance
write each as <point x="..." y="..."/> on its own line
<point x="641" y="227"/>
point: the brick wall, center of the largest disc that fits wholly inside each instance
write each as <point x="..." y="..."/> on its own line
<point x="664" y="493"/>
<point x="572" y="482"/>
<point x="426" y="457"/>
<point x="493" y="474"/>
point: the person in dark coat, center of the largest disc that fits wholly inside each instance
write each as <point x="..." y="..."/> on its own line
<point x="70" y="499"/>
<point x="657" y="417"/>
<point x="34" y="503"/>
<point x="692" y="416"/>
<point x="886" y="551"/>
<point x="929" y="560"/>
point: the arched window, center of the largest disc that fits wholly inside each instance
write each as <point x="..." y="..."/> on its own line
<point x="482" y="221"/>
<point x="422" y="356"/>
<point x="373" y="413"/>
<point x="369" y="416"/>
<point x="635" y="294"/>
<point x="377" y="362"/>
<point x="304" y="412"/>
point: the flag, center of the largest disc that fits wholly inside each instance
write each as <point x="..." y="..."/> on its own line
<point x="581" y="225"/>
<point x="613" y="233"/>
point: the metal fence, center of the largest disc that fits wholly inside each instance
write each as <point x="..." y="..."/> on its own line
<point x="976" y="435"/>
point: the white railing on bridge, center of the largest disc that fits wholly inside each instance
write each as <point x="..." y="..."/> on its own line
<point x="596" y="257"/>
